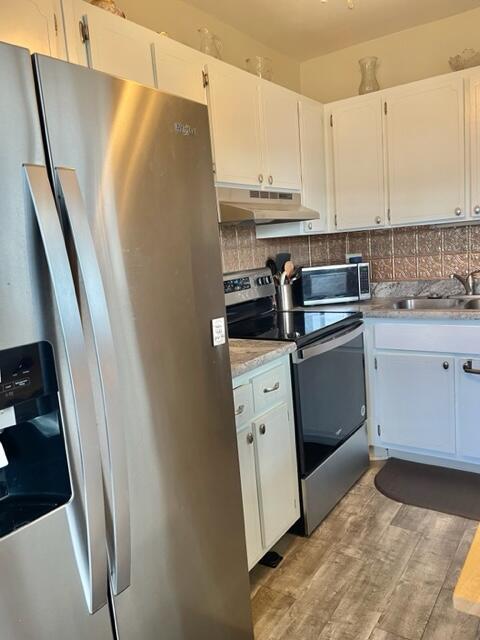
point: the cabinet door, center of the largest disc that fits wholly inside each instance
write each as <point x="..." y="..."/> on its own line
<point x="468" y="408"/>
<point x="277" y="473"/>
<point x="474" y="85"/>
<point x="281" y="137"/>
<point x="425" y="125"/>
<point x="235" y="121"/>
<point x="179" y="69"/>
<point x="358" y="163"/>
<point x="312" y="147"/>
<point x="33" y="24"/>
<point x="114" y="45"/>
<point x="246" y="454"/>
<point x="414" y="401"/>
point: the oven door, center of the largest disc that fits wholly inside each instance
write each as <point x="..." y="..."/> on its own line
<point x="329" y="393"/>
<point x="327" y="285"/>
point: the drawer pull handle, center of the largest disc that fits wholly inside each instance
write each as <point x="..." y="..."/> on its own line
<point x="468" y="368"/>
<point x="262" y="428"/>
<point x="249" y="438"/>
<point x="240" y="410"/>
<point x="446" y="365"/>
<point x="275" y="387"/>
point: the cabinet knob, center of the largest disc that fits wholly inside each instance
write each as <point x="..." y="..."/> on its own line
<point x="476" y="210"/>
<point x="250" y="438"/>
<point x="260" y="178"/>
<point x="378" y="220"/>
<point x="446" y="365"/>
<point x="310" y="225"/>
<point x="458" y="211"/>
<point x="270" y="179"/>
<point x="240" y="410"/>
<point x="262" y="428"/>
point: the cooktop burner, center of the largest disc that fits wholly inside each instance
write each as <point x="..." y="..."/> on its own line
<point x="298" y="326"/>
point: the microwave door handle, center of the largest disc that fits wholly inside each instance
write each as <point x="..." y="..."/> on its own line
<point x="328" y="344"/>
<point x="115" y="458"/>
<point x="87" y="513"/>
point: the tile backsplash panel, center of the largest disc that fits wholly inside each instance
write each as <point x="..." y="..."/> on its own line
<point x="407" y="253"/>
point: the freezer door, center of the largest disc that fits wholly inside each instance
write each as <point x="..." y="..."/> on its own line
<point x="52" y="538"/>
<point x="144" y="170"/>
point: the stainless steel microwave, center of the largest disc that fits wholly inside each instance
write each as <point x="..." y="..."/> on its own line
<point x="333" y="284"/>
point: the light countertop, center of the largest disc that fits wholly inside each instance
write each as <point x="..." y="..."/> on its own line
<point x="383" y="308"/>
<point x="246" y="355"/>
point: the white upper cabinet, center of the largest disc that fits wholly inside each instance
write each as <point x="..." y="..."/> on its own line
<point x="34" y="24"/>
<point x="425" y="126"/>
<point x="179" y="69"/>
<point x="474" y="121"/>
<point x="358" y="163"/>
<point x="235" y="122"/>
<point x="281" y="137"/>
<point x="255" y="130"/>
<point x="111" y="44"/>
<point x="312" y="150"/>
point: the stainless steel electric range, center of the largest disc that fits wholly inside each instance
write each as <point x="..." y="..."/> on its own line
<point x="328" y="377"/>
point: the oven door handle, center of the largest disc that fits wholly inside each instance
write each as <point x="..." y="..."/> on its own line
<point x="329" y="344"/>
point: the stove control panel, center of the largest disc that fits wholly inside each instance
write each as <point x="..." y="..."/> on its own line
<point x="243" y="286"/>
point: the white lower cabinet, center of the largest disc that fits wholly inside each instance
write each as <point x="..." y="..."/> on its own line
<point x="251" y="513"/>
<point x="267" y="456"/>
<point x="424" y="390"/>
<point x="416" y="401"/>
<point x="468" y="406"/>
<point x="277" y="473"/>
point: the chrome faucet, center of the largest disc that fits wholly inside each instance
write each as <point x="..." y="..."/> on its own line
<point x="468" y="281"/>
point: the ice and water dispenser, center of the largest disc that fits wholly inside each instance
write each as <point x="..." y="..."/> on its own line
<point x="34" y="476"/>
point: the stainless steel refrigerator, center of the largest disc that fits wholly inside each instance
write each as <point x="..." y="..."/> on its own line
<point x="120" y="503"/>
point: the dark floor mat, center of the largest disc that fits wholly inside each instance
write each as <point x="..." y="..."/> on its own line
<point x="436" y="488"/>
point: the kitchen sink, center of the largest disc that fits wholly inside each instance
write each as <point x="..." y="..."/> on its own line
<point x="433" y="303"/>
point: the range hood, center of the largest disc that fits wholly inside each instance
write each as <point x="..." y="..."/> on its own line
<point x="262" y="207"/>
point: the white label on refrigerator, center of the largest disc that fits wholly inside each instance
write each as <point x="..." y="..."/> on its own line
<point x="7" y="418"/>
<point x="3" y="457"/>
<point x="219" y="334"/>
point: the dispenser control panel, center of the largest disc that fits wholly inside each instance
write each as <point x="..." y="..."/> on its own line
<point x="26" y="373"/>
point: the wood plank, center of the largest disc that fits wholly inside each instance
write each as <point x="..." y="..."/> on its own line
<point x="446" y="623"/>
<point x="379" y="634"/>
<point x="461" y="553"/>
<point x="297" y="570"/>
<point x="418" y="588"/>
<point x="368" y="527"/>
<point x="466" y="596"/>
<point x="375" y="582"/>
<point x="268" y="609"/>
<point x="431" y="523"/>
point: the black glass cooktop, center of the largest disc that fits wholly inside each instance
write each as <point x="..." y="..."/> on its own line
<point x="299" y="326"/>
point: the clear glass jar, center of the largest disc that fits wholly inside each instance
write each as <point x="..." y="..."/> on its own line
<point x="260" y="66"/>
<point x="368" y="67"/>
<point x="210" y="43"/>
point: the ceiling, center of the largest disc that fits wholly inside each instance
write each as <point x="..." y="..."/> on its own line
<point x="304" y="29"/>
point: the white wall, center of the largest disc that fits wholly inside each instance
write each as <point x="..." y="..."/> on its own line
<point x="405" y="56"/>
<point x="181" y="21"/>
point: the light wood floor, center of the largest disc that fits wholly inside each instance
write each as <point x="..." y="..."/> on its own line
<point x="374" y="570"/>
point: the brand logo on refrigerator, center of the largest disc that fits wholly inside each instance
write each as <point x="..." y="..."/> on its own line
<point x="184" y="129"/>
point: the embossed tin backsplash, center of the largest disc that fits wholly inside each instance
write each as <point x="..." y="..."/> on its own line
<point x="407" y="253"/>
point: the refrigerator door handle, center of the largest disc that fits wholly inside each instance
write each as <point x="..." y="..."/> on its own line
<point x="115" y="459"/>
<point x="89" y="534"/>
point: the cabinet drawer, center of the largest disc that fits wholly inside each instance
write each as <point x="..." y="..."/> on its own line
<point x="436" y="337"/>
<point x="270" y="388"/>
<point x="243" y="401"/>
